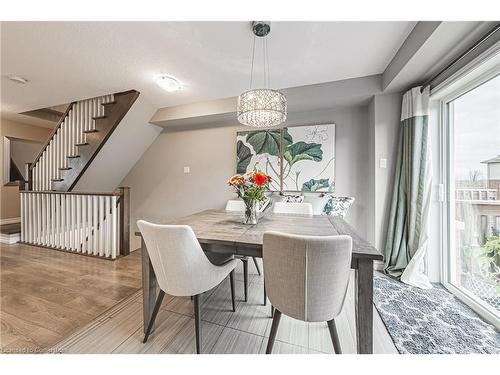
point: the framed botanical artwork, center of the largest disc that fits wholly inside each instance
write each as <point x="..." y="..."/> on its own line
<point x="300" y="158"/>
<point x="260" y="150"/>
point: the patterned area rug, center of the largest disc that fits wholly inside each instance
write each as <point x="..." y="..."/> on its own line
<point x="431" y="321"/>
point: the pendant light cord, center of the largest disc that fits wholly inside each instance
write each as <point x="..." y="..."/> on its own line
<point x="265" y="57"/>
<point x="253" y="58"/>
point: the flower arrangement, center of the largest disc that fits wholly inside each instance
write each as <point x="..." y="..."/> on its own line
<point x="251" y="188"/>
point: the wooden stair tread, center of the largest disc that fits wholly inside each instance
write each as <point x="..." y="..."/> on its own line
<point x="12" y="228"/>
<point x="73" y="156"/>
<point x="65" y="169"/>
<point x="82" y="144"/>
<point x="90" y="131"/>
<point x="98" y="117"/>
<point x="57" y="179"/>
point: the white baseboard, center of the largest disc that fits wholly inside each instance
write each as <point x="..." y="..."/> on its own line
<point x="10" y="238"/>
<point x="11" y="220"/>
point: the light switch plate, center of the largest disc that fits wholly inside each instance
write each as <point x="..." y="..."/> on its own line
<point x="382" y="163"/>
<point x="187" y="170"/>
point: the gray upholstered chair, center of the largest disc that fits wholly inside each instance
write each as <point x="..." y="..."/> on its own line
<point x="181" y="267"/>
<point x="306" y="278"/>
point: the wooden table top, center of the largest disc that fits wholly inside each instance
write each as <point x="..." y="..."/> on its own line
<point x="222" y="227"/>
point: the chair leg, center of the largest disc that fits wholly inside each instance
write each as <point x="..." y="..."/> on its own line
<point x="256" y="265"/>
<point x="245" y="278"/>
<point x="335" y="336"/>
<point x="231" y="281"/>
<point x="274" y="330"/>
<point x="197" y="323"/>
<point x="265" y="294"/>
<point x="153" y="315"/>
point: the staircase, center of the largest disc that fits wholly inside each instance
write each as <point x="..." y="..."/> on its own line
<point x="52" y="215"/>
<point x="80" y="134"/>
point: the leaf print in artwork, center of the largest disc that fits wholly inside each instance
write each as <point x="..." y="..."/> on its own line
<point x="268" y="141"/>
<point x="314" y="185"/>
<point x="303" y="151"/>
<point x="265" y="141"/>
<point x="244" y="155"/>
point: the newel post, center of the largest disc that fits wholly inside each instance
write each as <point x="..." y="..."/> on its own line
<point x="124" y="193"/>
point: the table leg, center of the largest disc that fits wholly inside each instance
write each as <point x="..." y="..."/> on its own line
<point x="148" y="288"/>
<point x="364" y="306"/>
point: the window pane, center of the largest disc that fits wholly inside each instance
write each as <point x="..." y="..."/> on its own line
<point x="476" y="163"/>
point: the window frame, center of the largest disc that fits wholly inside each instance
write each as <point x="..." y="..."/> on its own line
<point x="447" y="182"/>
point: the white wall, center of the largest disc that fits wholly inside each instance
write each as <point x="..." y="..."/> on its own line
<point x="131" y="138"/>
<point x="161" y="191"/>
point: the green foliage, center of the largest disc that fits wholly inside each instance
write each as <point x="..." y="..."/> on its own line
<point x="268" y="142"/>
<point x="303" y="151"/>
<point x="265" y="141"/>
<point x="313" y="185"/>
<point x="244" y="156"/>
<point x="489" y="258"/>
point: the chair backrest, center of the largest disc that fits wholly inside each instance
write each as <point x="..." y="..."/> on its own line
<point x="177" y="258"/>
<point x="307" y="276"/>
<point x="235" y="205"/>
<point x="293" y="208"/>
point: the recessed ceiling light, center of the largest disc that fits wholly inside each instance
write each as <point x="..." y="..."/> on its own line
<point x="168" y="83"/>
<point x="18" y="79"/>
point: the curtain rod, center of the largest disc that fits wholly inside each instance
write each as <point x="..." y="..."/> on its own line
<point x="462" y="56"/>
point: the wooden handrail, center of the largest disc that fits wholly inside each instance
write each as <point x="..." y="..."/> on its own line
<point x="115" y="193"/>
<point x="61" y="120"/>
<point x="60" y="123"/>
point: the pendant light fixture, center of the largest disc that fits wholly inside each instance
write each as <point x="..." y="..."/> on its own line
<point x="262" y="107"/>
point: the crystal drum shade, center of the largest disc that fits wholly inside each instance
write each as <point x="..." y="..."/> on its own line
<point x="262" y="108"/>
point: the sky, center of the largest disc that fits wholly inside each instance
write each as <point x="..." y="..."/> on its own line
<point x="477" y="129"/>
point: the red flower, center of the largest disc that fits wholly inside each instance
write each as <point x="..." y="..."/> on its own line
<point x="260" y="178"/>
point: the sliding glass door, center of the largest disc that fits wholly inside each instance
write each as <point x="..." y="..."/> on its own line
<point x="471" y="152"/>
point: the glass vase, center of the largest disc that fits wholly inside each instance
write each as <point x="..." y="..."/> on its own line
<point x="251" y="212"/>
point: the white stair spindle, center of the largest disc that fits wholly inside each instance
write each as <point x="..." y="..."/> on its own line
<point x="47" y="220"/>
<point x="113" y="226"/>
<point x="90" y="249"/>
<point x="38" y="224"/>
<point x="107" y="209"/>
<point x="23" y="216"/>
<point x="85" y="115"/>
<point x="95" y="222"/>
<point x="78" y="233"/>
<point x="64" y="221"/>
<point x="101" y="225"/>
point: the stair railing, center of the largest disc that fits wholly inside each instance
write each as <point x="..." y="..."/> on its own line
<point x="95" y="224"/>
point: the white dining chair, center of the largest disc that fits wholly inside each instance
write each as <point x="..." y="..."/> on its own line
<point x="293" y="208"/>
<point x="234" y="205"/>
<point x="306" y="278"/>
<point x="182" y="268"/>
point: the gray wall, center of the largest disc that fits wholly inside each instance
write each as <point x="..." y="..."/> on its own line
<point x="160" y="190"/>
<point x="387" y="113"/>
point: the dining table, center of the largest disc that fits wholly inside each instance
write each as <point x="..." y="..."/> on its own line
<point x="222" y="231"/>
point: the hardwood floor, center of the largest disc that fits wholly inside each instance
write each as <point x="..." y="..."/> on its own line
<point x="46" y="295"/>
<point x="120" y="330"/>
<point x="68" y="303"/>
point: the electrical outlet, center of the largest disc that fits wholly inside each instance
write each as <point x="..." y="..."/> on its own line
<point x="187" y="170"/>
<point x="382" y="163"/>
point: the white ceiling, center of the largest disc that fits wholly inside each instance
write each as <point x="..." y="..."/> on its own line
<point x="65" y="61"/>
